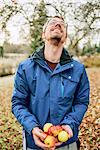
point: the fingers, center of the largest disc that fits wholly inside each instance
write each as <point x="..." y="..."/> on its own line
<point x="42" y="135"/>
<point x="39" y="136"/>
<point x="68" y="129"/>
<point x="39" y="143"/>
<point x="38" y="132"/>
<point x="53" y="148"/>
<point x="58" y="144"/>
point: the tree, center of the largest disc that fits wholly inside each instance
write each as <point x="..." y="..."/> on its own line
<point x="38" y="26"/>
<point x="1" y="51"/>
<point x="86" y="21"/>
<point x="85" y="18"/>
<point x="35" y="19"/>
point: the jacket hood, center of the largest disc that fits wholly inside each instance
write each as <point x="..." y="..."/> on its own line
<point x="65" y="57"/>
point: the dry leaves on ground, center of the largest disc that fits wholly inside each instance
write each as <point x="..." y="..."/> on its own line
<point x="90" y="127"/>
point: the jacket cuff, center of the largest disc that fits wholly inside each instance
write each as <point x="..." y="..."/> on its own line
<point x="32" y="126"/>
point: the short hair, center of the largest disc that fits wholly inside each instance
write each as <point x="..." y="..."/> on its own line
<point x="48" y="20"/>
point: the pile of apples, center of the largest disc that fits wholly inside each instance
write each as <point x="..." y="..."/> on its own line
<point x="54" y="134"/>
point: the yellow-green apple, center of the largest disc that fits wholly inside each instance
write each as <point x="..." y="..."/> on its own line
<point x="63" y="136"/>
<point x="54" y="130"/>
<point x="50" y="141"/>
<point x="47" y="126"/>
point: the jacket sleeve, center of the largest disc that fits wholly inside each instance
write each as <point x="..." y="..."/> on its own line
<point x="80" y="103"/>
<point x="20" y="102"/>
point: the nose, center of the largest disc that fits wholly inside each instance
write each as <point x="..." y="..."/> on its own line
<point x="57" y="24"/>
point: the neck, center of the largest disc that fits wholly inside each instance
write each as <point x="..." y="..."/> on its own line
<point x="53" y="53"/>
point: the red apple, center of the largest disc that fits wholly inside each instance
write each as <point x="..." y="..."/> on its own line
<point x="54" y="130"/>
<point x="50" y="141"/>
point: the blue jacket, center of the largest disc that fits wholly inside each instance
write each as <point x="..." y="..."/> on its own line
<point x="41" y="95"/>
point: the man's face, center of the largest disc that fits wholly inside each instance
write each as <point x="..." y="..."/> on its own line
<point x="55" y="31"/>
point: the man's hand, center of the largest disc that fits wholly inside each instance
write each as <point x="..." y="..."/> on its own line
<point x="39" y="136"/>
<point x="68" y="129"/>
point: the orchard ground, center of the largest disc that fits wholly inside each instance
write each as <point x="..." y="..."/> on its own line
<point x="11" y="131"/>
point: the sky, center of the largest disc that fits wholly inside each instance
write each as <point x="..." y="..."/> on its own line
<point x="16" y="25"/>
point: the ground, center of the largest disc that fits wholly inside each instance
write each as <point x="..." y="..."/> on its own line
<point x="10" y="129"/>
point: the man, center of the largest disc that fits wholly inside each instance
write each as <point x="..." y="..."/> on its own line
<point x="50" y="87"/>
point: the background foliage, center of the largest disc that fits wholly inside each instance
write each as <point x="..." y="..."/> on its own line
<point x="85" y="19"/>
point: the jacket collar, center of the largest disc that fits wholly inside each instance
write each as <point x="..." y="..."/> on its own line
<point x="65" y="57"/>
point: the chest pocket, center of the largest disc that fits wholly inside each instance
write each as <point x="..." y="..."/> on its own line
<point x="68" y="86"/>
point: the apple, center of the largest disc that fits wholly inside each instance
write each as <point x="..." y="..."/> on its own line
<point x="54" y="130"/>
<point x="50" y="141"/>
<point x="59" y="128"/>
<point x="47" y="126"/>
<point x="63" y="136"/>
